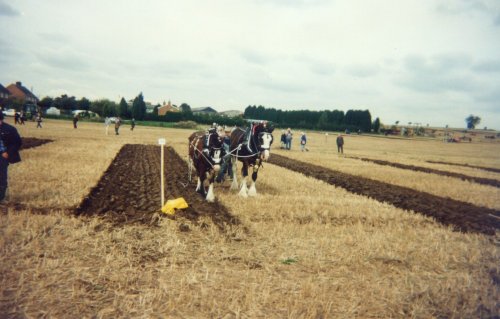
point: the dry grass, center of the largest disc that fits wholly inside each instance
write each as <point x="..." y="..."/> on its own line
<point x="312" y="250"/>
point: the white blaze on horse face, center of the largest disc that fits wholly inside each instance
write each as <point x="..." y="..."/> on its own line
<point x="267" y="138"/>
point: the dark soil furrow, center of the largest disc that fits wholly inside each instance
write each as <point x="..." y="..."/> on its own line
<point x="478" y="180"/>
<point x="462" y="216"/>
<point x="30" y="142"/>
<point x="129" y="190"/>
<point x="489" y="169"/>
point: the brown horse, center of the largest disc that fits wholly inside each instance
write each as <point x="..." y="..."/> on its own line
<point x="251" y="147"/>
<point x="205" y="153"/>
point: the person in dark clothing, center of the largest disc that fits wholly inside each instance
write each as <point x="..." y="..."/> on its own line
<point x="132" y="124"/>
<point x="75" y="120"/>
<point x="283" y="139"/>
<point x="340" y="144"/>
<point x="17" y="118"/>
<point x="118" y="122"/>
<point x="226" y="166"/>
<point x="10" y="142"/>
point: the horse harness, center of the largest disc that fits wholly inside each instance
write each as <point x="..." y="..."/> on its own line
<point x="208" y="151"/>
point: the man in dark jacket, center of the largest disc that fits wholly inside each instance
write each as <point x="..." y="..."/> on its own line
<point x="340" y="144"/>
<point x="10" y="142"/>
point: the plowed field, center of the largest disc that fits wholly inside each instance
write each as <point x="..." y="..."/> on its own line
<point x="129" y="190"/>
<point x="478" y="180"/>
<point x="462" y="216"/>
<point x="490" y="169"/>
<point x="30" y="142"/>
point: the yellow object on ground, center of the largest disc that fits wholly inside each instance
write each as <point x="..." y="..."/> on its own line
<point x="171" y="205"/>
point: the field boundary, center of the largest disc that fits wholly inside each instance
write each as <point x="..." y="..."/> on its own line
<point x="477" y="180"/>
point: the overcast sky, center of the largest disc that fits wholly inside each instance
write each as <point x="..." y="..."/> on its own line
<point x="427" y="61"/>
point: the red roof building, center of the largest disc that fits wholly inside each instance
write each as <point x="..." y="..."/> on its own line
<point x="18" y="91"/>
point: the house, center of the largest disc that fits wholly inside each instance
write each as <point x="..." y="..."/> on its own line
<point x="162" y="110"/>
<point x="4" y="93"/>
<point x="18" y="91"/>
<point x="203" y="110"/>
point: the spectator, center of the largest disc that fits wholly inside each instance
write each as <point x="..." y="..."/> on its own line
<point x="75" y="120"/>
<point x="39" y="120"/>
<point x="118" y="122"/>
<point x="10" y="142"/>
<point x="283" y="139"/>
<point x="132" y="124"/>
<point x="22" y="117"/>
<point x="340" y="144"/>
<point x="303" y="142"/>
<point x="17" y="118"/>
<point x="289" y="136"/>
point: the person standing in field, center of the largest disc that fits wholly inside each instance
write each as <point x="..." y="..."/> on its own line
<point x="289" y="136"/>
<point x="75" y="120"/>
<point x="39" y="120"/>
<point x="17" y="118"/>
<point x="340" y="144"/>
<point x="10" y="142"/>
<point x="283" y="139"/>
<point x="132" y="124"/>
<point x="118" y="122"/>
<point x="226" y="166"/>
<point x="107" y="122"/>
<point x="22" y="118"/>
<point x="303" y="142"/>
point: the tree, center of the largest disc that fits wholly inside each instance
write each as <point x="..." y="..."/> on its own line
<point x="376" y="125"/>
<point x="323" y="121"/>
<point x="46" y="102"/>
<point x="139" y="108"/>
<point x="123" y="108"/>
<point x="185" y="108"/>
<point x="104" y="107"/>
<point x="83" y="104"/>
<point x="472" y="121"/>
<point x="65" y="102"/>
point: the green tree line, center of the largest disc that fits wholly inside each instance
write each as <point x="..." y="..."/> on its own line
<point x="333" y="120"/>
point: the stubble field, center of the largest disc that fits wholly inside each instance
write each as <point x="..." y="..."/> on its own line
<point x="82" y="233"/>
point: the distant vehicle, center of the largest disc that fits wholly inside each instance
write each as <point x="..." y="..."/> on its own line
<point x="9" y="112"/>
<point x="53" y="111"/>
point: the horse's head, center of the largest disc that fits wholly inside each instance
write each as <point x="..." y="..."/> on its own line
<point x="264" y="138"/>
<point x="213" y="145"/>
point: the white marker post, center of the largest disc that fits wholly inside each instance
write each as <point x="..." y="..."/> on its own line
<point x="162" y="143"/>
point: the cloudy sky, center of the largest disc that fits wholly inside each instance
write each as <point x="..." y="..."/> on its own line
<point x="422" y="61"/>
